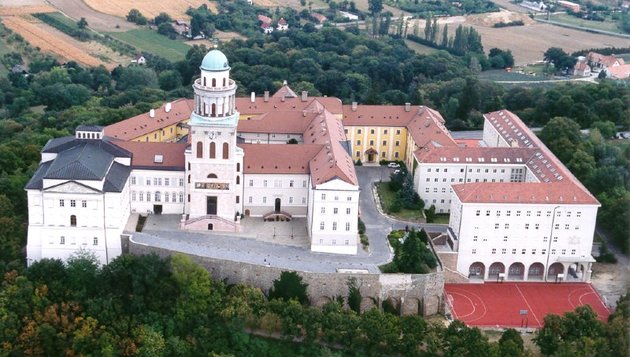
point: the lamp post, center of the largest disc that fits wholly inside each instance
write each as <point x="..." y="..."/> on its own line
<point x="553" y="218"/>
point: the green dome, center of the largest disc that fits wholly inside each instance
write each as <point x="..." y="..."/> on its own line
<point x="215" y="60"/>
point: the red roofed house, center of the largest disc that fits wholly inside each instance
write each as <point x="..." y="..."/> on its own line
<point x="600" y="61"/>
<point x="582" y="68"/>
<point x="282" y="24"/>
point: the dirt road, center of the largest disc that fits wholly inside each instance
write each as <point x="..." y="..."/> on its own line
<point x="77" y="9"/>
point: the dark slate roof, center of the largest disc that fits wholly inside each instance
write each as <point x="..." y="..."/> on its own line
<point x="83" y="160"/>
<point x="35" y="183"/>
<point x="116" y="178"/>
<point x="89" y="128"/>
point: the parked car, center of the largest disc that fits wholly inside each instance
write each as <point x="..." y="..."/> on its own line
<point x="396" y="172"/>
<point x="393" y="165"/>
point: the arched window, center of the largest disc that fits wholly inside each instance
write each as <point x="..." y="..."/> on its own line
<point x="212" y="176"/>
<point x="224" y="82"/>
<point x="73" y="221"/>
<point x="213" y="150"/>
<point x="238" y="180"/>
<point x="226" y="151"/>
<point x="214" y="110"/>
<point x="188" y="178"/>
<point x="214" y="82"/>
<point x="199" y="149"/>
<point x="204" y="81"/>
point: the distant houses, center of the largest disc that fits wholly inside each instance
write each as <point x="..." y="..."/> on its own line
<point x="349" y="16"/>
<point x="266" y="24"/>
<point x="615" y="67"/>
<point x="582" y="68"/>
<point x="569" y="5"/>
<point x="139" y="60"/>
<point x="319" y="18"/>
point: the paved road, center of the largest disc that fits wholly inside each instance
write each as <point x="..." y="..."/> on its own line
<point x="290" y="257"/>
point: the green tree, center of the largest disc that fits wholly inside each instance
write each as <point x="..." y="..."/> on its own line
<point x="162" y="18"/>
<point x="289" y="286"/>
<point x="562" y="136"/>
<point x="354" y="296"/>
<point x="375" y="6"/>
<point x="511" y="344"/>
<point x="170" y="79"/>
<point x="137" y="76"/>
<point x="82" y="23"/>
<point x="136" y="17"/>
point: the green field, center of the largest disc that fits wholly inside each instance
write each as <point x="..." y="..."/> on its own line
<point x="388" y="196"/>
<point x="60" y="18"/>
<point x="419" y="48"/>
<point x="499" y="75"/>
<point x="608" y="25"/>
<point x="152" y="42"/>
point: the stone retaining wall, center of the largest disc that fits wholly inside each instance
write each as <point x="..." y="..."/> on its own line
<point x="410" y="293"/>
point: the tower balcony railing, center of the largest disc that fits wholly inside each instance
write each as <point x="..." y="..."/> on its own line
<point x="230" y="85"/>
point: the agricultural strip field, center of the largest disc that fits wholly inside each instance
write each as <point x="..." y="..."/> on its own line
<point x="152" y="42"/>
<point x="24" y="10"/>
<point x="419" y="48"/>
<point x="76" y="9"/>
<point x="528" y="43"/>
<point x="149" y="8"/>
<point x="49" y="39"/>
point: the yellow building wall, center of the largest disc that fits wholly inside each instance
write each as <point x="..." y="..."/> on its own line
<point x="389" y="142"/>
<point x="167" y="134"/>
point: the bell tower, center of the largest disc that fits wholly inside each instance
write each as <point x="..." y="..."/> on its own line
<point x="214" y="164"/>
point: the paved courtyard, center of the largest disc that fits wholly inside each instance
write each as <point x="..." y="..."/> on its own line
<point x="258" y="244"/>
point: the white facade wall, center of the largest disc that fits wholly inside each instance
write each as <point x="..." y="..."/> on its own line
<point x="491" y="137"/>
<point x="100" y="220"/>
<point x="433" y="181"/>
<point x="261" y="191"/>
<point x="333" y="223"/>
<point x="269" y="138"/>
<point x="511" y="233"/>
<point x="149" y="188"/>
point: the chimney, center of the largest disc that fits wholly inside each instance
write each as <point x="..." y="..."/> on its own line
<point x="253" y="98"/>
<point x="167" y="107"/>
<point x="354" y="106"/>
<point x="283" y="98"/>
<point x="407" y="107"/>
<point x="152" y="113"/>
<point x="304" y="95"/>
<point x="266" y="96"/>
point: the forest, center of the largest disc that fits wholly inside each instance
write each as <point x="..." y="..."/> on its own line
<point x="149" y="306"/>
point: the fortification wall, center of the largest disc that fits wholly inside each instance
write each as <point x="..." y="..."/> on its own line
<point x="411" y="293"/>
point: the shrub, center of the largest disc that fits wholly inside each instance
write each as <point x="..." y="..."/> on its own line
<point x="361" y="226"/>
<point x="289" y="287"/>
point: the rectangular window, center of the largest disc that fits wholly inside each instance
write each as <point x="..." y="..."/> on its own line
<point x="507" y="226"/>
<point x="494" y="250"/>
<point x="496" y="226"/>
<point x="141" y="198"/>
<point x="303" y="183"/>
<point x="503" y="250"/>
<point x="487" y="212"/>
<point x="477" y="213"/>
<point x="523" y="251"/>
<point x="358" y="142"/>
<point x="62" y="240"/>
<point x="335" y="210"/>
<point x="277" y="183"/>
<point x="358" y="153"/>
<point x="251" y="183"/>
<point x="133" y="195"/>
<point x="397" y="143"/>
<point x="148" y="196"/>
<point x="291" y="199"/>
<point x="264" y="199"/>
<point x="358" y="131"/>
<point x="371" y="131"/>
<point x="181" y="182"/>
<point x="181" y="197"/>
<point x="73" y="203"/>
<point x="514" y="251"/>
<point x="348" y="210"/>
<point x="371" y="142"/>
<point x="526" y="225"/>
<point x="474" y="251"/>
<point x="323" y="197"/>
<point x="384" y="142"/>
<point x="166" y="197"/>
<point x="133" y="180"/>
<point x="475" y="238"/>
<point x="347" y="227"/>
<point x="238" y="199"/>
<point x="505" y="238"/>
<point x="84" y="203"/>
<point x="323" y="210"/>
<point x="167" y="181"/>
<point x="291" y="183"/>
<point x="334" y="226"/>
<point x="95" y="241"/>
<point x="249" y="199"/>
<point x="303" y="200"/>
<point x="322" y="225"/>
<point x="264" y="183"/>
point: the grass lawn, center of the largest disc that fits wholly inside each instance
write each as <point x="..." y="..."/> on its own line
<point x="442" y="218"/>
<point x="499" y="75"/>
<point x="152" y="42"/>
<point x="608" y="25"/>
<point x="387" y="196"/>
<point x="419" y="48"/>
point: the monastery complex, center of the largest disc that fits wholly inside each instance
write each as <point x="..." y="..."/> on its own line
<point x="516" y="212"/>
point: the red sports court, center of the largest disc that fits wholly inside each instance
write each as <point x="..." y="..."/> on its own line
<point x="519" y="304"/>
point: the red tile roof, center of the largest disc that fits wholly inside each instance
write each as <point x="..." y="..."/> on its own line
<point x="145" y="155"/>
<point x="285" y="122"/>
<point x="143" y="124"/>
<point x="522" y="192"/>
<point x="378" y="115"/>
<point x="474" y="155"/>
<point x="245" y="106"/>
<point x="556" y="185"/>
<point x="427" y="126"/>
<point x="619" y="72"/>
<point x="278" y="159"/>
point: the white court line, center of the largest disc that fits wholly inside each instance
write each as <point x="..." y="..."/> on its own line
<point x="526" y="302"/>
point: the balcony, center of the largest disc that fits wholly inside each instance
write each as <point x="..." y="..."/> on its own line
<point x="231" y="85"/>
